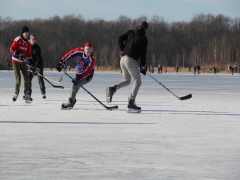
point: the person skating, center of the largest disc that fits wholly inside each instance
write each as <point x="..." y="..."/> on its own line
<point x="38" y="60"/>
<point x="84" y="70"/>
<point x="133" y="45"/>
<point x="21" y="51"/>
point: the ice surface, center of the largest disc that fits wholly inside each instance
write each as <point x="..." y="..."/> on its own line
<point x="193" y="139"/>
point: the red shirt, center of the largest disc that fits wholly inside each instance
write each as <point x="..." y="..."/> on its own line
<point x="21" y="45"/>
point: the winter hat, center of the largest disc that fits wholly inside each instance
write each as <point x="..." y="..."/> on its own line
<point x="144" y="24"/>
<point x="88" y="47"/>
<point x="25" y="29"/>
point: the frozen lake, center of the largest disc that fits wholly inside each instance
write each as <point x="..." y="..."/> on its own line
<point x="171" y="139"/>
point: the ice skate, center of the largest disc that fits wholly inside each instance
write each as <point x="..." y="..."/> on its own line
<point x="132" y="107"/>
<point x="109" y="93"/>
<point x="28" y="98"/>
<point x="44" y="96"/>
<point x="68" y="105"/>
<point x="15" y="96"/>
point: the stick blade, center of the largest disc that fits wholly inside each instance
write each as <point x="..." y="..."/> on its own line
<point x="186" y="97"/>
<point x="112" y="108"/>
<point x="60" y="80"/>
<point x="61" y="87"/>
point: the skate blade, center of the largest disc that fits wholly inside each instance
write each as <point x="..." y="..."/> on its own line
<point x="107" y="97"/>
<point x="69" y="108"/>
<point x="133" y="111"/>
<point x="28" y="102"/>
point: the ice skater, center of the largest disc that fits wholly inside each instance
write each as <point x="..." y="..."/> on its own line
<point x="84" y="70"/>
<point x="38" y="60"/>
<point x="21" y="51"/>
<point x="133" y="45"/>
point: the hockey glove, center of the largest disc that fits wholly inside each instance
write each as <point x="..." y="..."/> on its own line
<point x="21" y="56"/>
<point x="143" y="69"/>
<point x="60" y="66"/>
<point x="76" y="80"/>
<point x="33" y="70"/>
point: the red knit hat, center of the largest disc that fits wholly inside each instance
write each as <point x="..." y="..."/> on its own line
<point x="88" y="47"/>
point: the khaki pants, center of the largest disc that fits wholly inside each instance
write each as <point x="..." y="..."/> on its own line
<point x="23" y="68"/>
<point x="75" y="88"/>
<point x="130" y="69"/>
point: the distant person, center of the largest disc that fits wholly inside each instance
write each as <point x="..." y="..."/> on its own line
<point x="195" y="69"/>
<point x="210" y="70"/>
<point x="235" y="69"/>
<point x="1" y="66"/>
<point x="38" y="60"/>
<point x="198" y="68"/>
<point x="189" y="68"/>
<point x="165" y="69"/>
<point x="133" y="45"/>
<point x="215" y="70"/>
<point x="84" y="70"/>
<point x="152" y="69"/>
<point x="159" y="67"/>
<point x="177" y="69"/>
<point x="21" y="50"/>
<point x="69" y="67"/>
<point x="232" y="70"/>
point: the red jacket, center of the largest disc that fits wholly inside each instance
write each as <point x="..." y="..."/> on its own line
<point x="21" y="45"/>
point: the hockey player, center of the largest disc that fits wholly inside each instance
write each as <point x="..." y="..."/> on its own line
<point x="37" y="58"/>
<point x="84" y="70"/>
<point x="133" y="45"/>
<point x="21" y="54"/>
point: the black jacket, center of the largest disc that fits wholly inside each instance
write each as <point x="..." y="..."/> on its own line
<point x="134" y="43"/>
<point x="37" y="56"/>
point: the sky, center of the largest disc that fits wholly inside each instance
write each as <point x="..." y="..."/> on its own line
<point x="170" y="10"/>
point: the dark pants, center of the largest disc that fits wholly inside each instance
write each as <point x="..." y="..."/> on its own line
<point x="40" y="81"/>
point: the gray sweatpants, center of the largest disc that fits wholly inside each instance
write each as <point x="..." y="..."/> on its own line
<point x="130" y="70"/>
<point x="75" y="88"/>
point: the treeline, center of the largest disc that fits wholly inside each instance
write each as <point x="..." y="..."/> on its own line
<point x="206" y="39"/>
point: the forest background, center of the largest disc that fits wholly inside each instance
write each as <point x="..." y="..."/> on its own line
<point x="209" y="40"/>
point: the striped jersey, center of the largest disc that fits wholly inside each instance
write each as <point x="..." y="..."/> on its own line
<point x="85" y="65"/>
<point x="20" y="45"/>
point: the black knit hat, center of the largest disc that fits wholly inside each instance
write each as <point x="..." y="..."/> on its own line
<point x="25" y="29"/>
<point x="144" y="24"/>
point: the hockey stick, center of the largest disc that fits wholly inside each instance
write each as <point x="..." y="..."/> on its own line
<point x="180" y="98"/>
<point x="108" y="108"/>
<point x="50" y="79"/>
<point x="53" y="80"/>
<point x="47" y="79"/>
<point x="61" y="87"/>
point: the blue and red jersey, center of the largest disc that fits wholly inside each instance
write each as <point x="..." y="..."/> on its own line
<point x="21" y="45"/>
<point x="85" y="65"/>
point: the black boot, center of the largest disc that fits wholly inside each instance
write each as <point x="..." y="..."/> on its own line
<point x="110" y="92"/>
<point x="28" y="98"/>
<point x="132" y="105"/>
<point x="69" y="105"/>
<point x="15" y="96"/>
